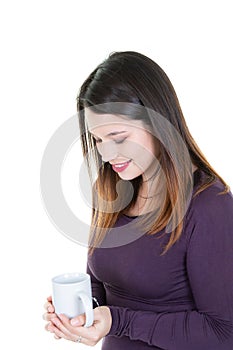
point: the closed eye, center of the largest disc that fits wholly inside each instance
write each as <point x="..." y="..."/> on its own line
<point x="120" y="140"/>
<point x="116" y="140"/>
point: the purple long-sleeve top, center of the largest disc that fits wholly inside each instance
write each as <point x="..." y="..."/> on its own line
<point x="182" y="300"/>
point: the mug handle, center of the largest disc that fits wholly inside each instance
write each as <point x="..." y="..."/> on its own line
<point x="87" y="303"/>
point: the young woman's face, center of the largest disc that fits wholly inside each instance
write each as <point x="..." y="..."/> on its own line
<point x="124" y="143"/>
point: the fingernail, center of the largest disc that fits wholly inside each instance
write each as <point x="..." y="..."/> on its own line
<point x="75" y="322"/>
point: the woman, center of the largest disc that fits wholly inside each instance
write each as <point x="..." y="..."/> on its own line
<point x="165" y="216"/>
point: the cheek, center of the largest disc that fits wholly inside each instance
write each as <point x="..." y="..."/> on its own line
<point x="142" y="162"/>
<point x="152" y="144"/>
<point x="140" y="152"/>
<point x="131" y="172"/>
<point x="156" y="148"/>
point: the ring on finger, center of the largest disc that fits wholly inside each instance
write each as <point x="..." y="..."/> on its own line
<point x="79" y="339"/>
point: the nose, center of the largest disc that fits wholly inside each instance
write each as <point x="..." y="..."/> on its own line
<point x="107" y="150"/>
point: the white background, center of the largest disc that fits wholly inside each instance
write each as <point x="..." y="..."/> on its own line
<point x="47" y="49"/>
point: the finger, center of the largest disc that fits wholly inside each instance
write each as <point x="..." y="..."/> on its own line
<point x="84" y="332"/>
<point x="61" y="332"/>
<point x="46" y="305"/>
<point x="78" y="321"/>
<point x="49" y="298"/>
<point x="83" y="341"/>
<point x="63" y="328"/>
<point x="49" y="307"/>
<point x="48" y="317"/>
<point x="48" y="327"/>
<point x="88" y="335"/>
<point x="56" y="337"/>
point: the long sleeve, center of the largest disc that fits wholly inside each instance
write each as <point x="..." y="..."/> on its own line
<point x="209" y="263"/>
<point x="98" y="291"/>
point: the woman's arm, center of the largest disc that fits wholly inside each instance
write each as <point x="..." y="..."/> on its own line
<point x="210" y="272"/>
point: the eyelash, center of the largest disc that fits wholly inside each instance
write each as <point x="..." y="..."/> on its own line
<point x="116" y="141"/>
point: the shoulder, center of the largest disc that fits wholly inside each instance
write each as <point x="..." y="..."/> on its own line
<point x="212" y="200"/>
<point x="210" y="214"/>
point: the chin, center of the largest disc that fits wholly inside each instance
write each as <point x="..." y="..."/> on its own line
<point x="129" y="176"/>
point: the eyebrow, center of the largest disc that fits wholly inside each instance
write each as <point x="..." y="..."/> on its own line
<point x="111" y="133"/>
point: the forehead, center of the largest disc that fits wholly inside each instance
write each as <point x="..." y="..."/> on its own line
<point x="105" y="121"/>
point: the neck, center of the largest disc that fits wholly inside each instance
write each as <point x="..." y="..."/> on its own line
<point x="152" y="194"/>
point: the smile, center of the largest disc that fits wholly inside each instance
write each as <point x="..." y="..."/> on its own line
<point x="120" y="166"/>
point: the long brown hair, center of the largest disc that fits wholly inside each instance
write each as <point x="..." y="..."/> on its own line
<point x="135" y="79"/>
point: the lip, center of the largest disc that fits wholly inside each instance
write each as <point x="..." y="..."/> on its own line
<point x="119" y="167"/>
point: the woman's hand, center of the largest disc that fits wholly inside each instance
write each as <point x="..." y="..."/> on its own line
<point x="73" y="329"/>
<point x="50" y="314"/>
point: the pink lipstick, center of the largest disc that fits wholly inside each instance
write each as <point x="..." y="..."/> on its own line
<point x="119" y="167"/>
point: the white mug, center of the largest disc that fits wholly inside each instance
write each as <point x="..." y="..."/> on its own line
<point x="72" y="295"/>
